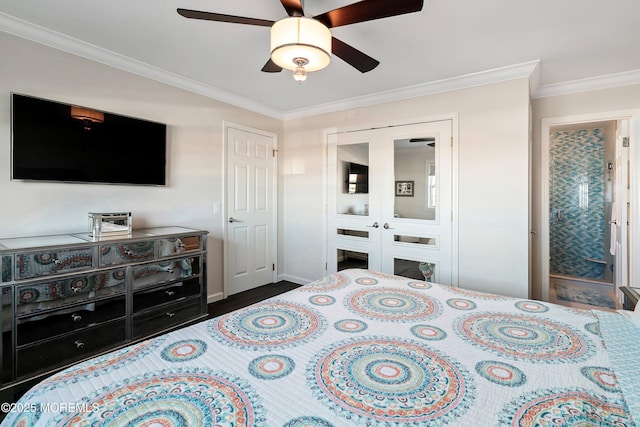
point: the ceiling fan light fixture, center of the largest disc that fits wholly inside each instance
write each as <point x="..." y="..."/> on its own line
<point x="300" y="74"/>
<point x="296" y="38"/>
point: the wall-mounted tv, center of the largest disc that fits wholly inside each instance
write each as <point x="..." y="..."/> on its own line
<point x="59" y="142"/>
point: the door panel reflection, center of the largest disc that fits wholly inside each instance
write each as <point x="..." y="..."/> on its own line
<point x="419" y="270"/>
<point x="352" y="259"/>
<point x="415" y="178"/>
<point x="353" y="179"/>
<point x="428" y="241"/>
<point x="353" y="233"/>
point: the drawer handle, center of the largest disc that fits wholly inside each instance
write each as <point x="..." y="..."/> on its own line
<point x="76" y="317"/>
<point x="170" y="293"/>
<point x="128" y="252"/>
<point x="171" y="314"/>
<point x="76" y="289"/>
<point x="79" y="344"/>
<point x="57" y="261"/>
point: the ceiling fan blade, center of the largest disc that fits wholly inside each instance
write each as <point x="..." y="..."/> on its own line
<point x="271" y="67"/>
<point x="368" y="10"/>
<point x="293" y="7"/>
<point x="210" y="16"/>
<point x="352" y="56"/>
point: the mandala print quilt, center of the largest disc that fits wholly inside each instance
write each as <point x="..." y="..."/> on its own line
<point x="360" y="348"/>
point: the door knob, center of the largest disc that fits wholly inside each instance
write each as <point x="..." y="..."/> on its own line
<point x="232" y="219"/>
<point x="387" y="226"/>
<point x="374" y="225"/>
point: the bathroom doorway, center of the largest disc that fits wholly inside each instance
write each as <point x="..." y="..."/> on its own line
<point x="587" y="211"/>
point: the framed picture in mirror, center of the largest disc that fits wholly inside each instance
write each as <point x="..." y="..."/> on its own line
<point x="404" y="188"/>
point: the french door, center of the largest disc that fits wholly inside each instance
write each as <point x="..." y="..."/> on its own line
<point x="390" y="201"/>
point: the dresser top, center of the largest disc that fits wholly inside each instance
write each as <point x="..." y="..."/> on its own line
<point x="21" y="243"/>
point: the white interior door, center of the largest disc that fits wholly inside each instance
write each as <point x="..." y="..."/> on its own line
<point x="390" y="201"/>
<point x="620" y="212"/>
<point x="250" y="232"/>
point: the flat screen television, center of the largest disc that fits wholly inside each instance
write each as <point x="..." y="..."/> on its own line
<point x="57" y="142"/>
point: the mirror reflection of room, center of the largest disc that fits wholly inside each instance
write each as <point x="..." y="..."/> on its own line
<point x="415" y="164"/>
<point x="353" y="179"/>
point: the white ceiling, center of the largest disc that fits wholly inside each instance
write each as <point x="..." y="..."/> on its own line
<point x="571" y="39"/>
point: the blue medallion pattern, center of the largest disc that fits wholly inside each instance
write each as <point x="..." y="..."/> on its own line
<point x="271" y="324"/>
<point x="383" y="381"/>
<point x="604" y="378"/>
<point x="184" y="350"/>
<point x="271" y="367"/>
<point x="99" y="366"/>
<point x="367" y="281"/>
<point x="183" y="397"/>
<point x="501" y="373"/>
<point x="428" y="332"/>
<point x="419" y="285"/>
<point x="570" y="408"/>
<point x="524" y="338"/>
<point x="392" y="305"/>
<point x="531" y="306"/>
<point x="350" y="325"/>
<point x="308" y="422"/>
<point x="593" y="327"/>
<point x="327" y="284"/>
<point x="461" y="304"/>
<point x="322" y="300"/>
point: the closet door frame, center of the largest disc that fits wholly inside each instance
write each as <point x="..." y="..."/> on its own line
<point x="453" y="117"/>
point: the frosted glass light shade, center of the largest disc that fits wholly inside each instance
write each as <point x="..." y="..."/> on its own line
<point x="299" y="37"/>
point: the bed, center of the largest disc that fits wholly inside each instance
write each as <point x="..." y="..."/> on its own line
<point x="361" y="348"/>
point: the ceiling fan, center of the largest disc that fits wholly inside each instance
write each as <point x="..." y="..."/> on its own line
<point x="302" y="44"/>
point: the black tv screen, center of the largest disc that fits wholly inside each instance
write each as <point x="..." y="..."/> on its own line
<point x="59" y="142"/>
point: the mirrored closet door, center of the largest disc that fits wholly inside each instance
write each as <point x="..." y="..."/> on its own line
<point x="390" y="201"/>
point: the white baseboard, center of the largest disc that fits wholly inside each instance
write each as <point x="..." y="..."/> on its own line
<point x="215" y="297"/>
<point x="294" y="279"/>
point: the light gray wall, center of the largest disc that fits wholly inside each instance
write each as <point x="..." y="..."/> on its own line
<point x="586" y="106"/>
<point x="493" y="177"/>
<point x="195" y="149"/>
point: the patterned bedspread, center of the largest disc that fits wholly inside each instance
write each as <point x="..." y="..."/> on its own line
<point x="360" y="348"/>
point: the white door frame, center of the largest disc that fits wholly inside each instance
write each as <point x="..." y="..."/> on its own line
<point x="634" y="196"/>
<point x="455" y="153"/>
<point x="225" y="126"/>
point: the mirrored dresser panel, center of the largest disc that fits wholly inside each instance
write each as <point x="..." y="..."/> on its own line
<point x="66" y="298"/>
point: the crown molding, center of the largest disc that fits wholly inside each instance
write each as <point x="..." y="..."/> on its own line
<point x="585" y="85"/>
<point x="36" y="33"/>
<point x="523" y="70"/>
<point x="531" y="70"/>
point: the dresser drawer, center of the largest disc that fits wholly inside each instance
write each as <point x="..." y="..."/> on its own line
<point x="5" y="269"/>
<point x="6" y="326"/>
<point x="127" y="252"/>
<point x="68" y="349"/>
<point x="178" y="245"/>
<point x="51" y="294"/>
<point x="173" y="293"/>
<point x="42" y="263"/>
<point x="40" y="327"/>
<point x="158" y="320"/>
<point x="157" y="273"/>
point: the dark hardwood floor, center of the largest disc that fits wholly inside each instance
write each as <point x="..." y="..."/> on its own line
<point x="249" y="297"/>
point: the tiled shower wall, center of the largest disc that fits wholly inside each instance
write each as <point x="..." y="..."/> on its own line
<point x="577" y="203"/>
